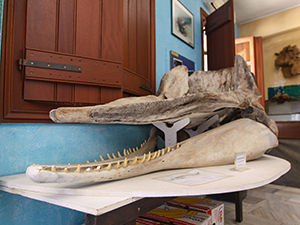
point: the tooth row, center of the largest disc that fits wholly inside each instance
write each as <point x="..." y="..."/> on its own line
<point x="126" y="152"/>
<point x="117" y="164"/>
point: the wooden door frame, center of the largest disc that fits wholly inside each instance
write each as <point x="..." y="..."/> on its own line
<point x="203" y="16"/>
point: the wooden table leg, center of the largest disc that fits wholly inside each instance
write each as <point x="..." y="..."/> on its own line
<point x="125" y="214"/>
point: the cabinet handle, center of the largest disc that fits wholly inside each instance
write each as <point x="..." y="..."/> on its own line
<point x="144" y="87"/>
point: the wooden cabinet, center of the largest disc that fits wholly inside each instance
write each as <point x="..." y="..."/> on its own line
<point x="250" y="48"/>
<point x="220" y="37"/>
<point x="139" y="51"/>
<point x="74" y="52"/>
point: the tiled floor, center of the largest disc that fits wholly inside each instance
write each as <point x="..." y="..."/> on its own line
<point x="268" y="205"/>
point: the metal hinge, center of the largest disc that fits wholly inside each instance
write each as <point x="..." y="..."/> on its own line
<point x="48" y="65"/>
<point x="146" y="88"/>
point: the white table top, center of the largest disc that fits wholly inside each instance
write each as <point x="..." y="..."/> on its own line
<point x="100" y="198"/>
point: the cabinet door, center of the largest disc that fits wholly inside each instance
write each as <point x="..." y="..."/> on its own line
<point x="85" y="33"/>
<point x="138" y="41"/>
<point x="73" y="33"/>
<point x="74" y="53"/>
<point x="220" y="37"/>
<point x="250" y="48"/>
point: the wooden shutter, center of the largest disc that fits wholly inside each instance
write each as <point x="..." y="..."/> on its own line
<point x="111" y="41"/>
<point x="139" y="47"/>
<point x="81" y="33"/>
<point x="220" y="37"/>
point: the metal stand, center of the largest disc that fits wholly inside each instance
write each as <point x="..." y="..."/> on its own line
<point x="171" y="132"/>
<point x="202" y="127"/>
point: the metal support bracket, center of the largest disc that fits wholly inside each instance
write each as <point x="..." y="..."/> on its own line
<point x="204" y="126"/>
<point x="48" y="65"/>
<point x="171" y="132"/>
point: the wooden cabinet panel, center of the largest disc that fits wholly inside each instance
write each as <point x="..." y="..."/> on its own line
<point x="132" y="32"/>
<point x="110" y="94"/>
<point x="93" y="71"/>
<point x="92" y="25"/>
<point x="138" y="41"/>
<point x="220" y="37"/>
<point x="135" y="84"/>
<point x="66" y="23"/>
<point x="104" y="37"/>
<point x="112" y="30"/>
<point x="41" y="24"/>
<point x="88" y="24"/>
<point x="143" y="38"/>
<point x="87" y="94"/>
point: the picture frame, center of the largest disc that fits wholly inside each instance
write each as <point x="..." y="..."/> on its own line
<point x="182" y="23"/>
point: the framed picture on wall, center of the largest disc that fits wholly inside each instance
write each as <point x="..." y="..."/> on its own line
<point x="182" y="23"/>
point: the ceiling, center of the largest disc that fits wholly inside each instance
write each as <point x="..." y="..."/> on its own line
<point x="249" y="10"/>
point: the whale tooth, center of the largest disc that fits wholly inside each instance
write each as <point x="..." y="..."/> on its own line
<point x="53" y="169"/>
<point x="158" y="153"/>
<point x="108" y="167"/>
<point x="124" y="152"/>
<point x="154" y="155"/>
<point x="128" y="152"/>
<point x="108" y="156"/>
<point x="134" y="161"/>
<point x="125" y="163"/>
<point x="66" y="170"/>
<point x="177" y="145"/>
<point x="143" y="159"/>
<point x="118" y="165"/>
<point x="102" y="159"/>
<point x="78" y="169"/>
<point x="168" y="150"/>
<point x="149" y="157"/>
<point x="114" y="155"/>
<point x="97" y="169"/>
<point x="119" y="154"/>
<point x="163" y="151"/>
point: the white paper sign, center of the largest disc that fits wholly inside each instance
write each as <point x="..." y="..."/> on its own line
<point x="240" y="160"/>
<point x="193" y="177"/>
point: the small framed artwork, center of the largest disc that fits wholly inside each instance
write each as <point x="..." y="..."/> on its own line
<point x="182" y="23"/>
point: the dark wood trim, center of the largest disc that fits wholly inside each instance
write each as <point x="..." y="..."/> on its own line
<point x="288" y="130"/>
<point x="3" y="60"/>
<point x="203" y="15"/>
<point x="153" y="52"/>
<point x="259" y="68"/>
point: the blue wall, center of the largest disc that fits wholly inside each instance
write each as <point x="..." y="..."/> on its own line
<point x="165" y="41"/>
<point x="24" y="144"/>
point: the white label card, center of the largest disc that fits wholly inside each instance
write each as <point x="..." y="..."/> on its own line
<point x="193" y="177"/>
<point x="240" y="160"/>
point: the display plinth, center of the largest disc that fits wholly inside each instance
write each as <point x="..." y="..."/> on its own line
<point x="100" y="198"/>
